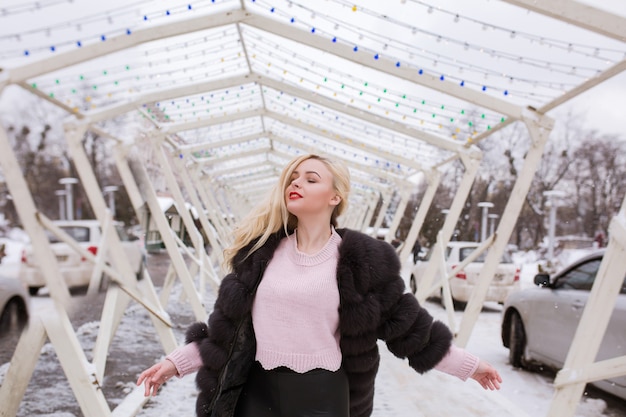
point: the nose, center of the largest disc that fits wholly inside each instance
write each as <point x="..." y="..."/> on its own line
<point x="295" y="183"/>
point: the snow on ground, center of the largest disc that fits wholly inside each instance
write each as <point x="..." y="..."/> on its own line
<point x="399" y="390"/>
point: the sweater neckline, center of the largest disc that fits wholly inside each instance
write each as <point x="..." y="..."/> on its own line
<point x="327" y="252"/>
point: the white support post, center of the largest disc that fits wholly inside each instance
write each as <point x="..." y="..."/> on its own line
<point x="74" y="133"/>
<point x="21" y="367"/>
<point x="149" y="195"/>
<point x="221" y="224"/>
<point x="57" y="326"/>
<point x="185" y="176"/>
<point x="27" y="211"/>
<point x="445" y="284"/>
<point x="405" y="195"/>
<point x="54" y="323"/>
<point x="472" y="163"/>
<point x="168" y="284"/>
<point x="539" y="127"/>
<point x="78" y="371"/>
<point x="380" y="217"/>
<point x="195" y="235"/>
<point x="368" y="206"/>
<point x="357" y="213"/>
<point x="213" y="221"/>
<point x="98" y="268"/>
<point x="120" y="261"/>
<point x="592" y="326"/>
<point x="373" y="201"/>
<point x="173" y="186"/>
<point x="115" y="303"/>
<point x="434" y="178"/>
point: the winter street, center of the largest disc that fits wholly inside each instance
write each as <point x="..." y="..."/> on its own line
<point x="399" y="391"/>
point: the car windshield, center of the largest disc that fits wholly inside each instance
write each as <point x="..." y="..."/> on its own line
<point x="82" y="233"/>
<point x="582" y="277"/>
<point x="464" y="252"/>
<point x="467" y="251"/>
<point x="78" y="233"/>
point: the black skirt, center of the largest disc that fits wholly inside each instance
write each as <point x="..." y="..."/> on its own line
<point x="282" y="392"/>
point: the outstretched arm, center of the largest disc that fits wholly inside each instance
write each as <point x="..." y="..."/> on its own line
<point x="487" y="376"/>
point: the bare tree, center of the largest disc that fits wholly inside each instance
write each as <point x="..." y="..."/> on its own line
<point x="597" y="175"/>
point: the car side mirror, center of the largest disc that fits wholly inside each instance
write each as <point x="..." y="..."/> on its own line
<point x="542" y="280"/>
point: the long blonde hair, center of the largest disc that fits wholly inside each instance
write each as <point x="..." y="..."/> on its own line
<point x="267" y="218"/>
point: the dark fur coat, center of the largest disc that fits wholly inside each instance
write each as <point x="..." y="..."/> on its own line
<point x="373" y="305"/>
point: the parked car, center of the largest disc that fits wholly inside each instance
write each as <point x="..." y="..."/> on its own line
<point x="538" y="324"/>
<point x="76" y="269"/>
<point x="505" y="281"/>
<point x="14" y="305"/>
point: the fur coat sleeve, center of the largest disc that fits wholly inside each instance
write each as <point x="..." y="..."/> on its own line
<point x="407" y="328"/>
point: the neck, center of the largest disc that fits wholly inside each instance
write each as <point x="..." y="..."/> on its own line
<point x="312" y="237"/>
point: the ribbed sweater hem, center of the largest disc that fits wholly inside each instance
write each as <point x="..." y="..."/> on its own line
<point x="300" y="363"/>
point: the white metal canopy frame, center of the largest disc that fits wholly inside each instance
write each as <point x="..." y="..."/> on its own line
<point x="221" y="93"/>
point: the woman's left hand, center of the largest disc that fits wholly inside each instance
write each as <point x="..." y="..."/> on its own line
<point x="487" y="376"/>
<point x="156" y="375"/>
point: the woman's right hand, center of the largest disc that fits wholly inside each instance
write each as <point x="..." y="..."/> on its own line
<point x="157" y="375"/>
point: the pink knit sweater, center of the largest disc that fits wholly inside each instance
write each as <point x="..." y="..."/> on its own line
<point x="296" y="319"/>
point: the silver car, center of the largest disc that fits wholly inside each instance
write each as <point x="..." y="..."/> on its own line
<point x="538" y="324"/>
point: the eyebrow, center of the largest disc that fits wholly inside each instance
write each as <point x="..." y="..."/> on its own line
<point x="309" y="172"/>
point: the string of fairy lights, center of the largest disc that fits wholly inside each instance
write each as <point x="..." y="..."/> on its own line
<point x="365" y="36"/>
<point x="207" y="138"/>
<point x="588" y="51"/>
<point x="213" y="104"/>
<point x="122" y="81"/>
<point x="169" y="60"/>
<point x="376" y="97"/>
<point x="226" y="98"/>
<point x="354" y="132"/>
<point x="211" y="54"/>
<point x="130" y="13"/>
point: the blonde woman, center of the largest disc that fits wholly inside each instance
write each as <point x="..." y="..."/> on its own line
<point x="295" y="325"/>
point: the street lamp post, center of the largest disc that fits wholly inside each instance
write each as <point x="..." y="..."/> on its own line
<point x="483" y="230"/>
<point x="61" y="195"/>
<point x="492" y="223"/>
<point x="552" y="195"/>
<point x="110" y="190"/>
<point x="69" y="198"/>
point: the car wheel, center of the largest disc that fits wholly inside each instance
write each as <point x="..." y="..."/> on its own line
<point x="14" y="316"/>
<point x="413" y="284"/>
<point x="517" y="341"/>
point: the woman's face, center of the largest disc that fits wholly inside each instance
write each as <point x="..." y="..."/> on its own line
<point x="311" y="191"/>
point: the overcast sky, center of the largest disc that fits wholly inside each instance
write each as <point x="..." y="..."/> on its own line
<point x="603" y="107"/>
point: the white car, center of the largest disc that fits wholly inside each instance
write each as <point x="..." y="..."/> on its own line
<point x="76" y="269"/>
<point x="505" y="281"/>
